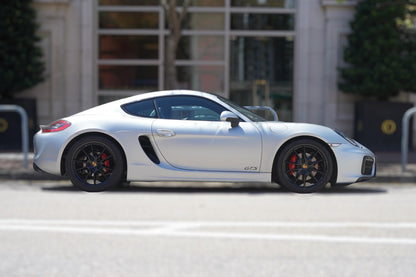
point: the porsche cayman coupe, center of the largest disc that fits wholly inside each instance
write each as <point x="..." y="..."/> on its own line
<point x="195" y="136"/>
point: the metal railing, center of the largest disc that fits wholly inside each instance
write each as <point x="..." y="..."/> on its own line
<point x="25" y="131"/>
<point x="405" y="135"/>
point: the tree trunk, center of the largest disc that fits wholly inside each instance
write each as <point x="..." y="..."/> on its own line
<point x="170" y="68"/>
<point x="174" y="21"/>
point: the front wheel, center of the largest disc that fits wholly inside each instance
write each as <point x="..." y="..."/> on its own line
<point x="95" y="163"/>
<point x="304" y="166"/>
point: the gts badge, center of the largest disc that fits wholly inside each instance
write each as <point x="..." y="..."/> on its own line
<point x="250" y="168"/>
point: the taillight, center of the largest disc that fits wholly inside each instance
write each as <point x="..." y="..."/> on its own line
<point x="56" y="126"/>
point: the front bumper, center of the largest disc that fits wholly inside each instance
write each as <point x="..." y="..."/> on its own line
<point x="355" y="164"/>
<point x="368" y="165"/>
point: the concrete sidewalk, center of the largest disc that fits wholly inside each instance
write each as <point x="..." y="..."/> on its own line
<point x="388" y="168"/>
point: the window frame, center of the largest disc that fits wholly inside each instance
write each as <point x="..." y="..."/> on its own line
<point x="157" y="107"/>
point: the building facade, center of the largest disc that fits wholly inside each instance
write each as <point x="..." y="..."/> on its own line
<point x="283" y="53"/>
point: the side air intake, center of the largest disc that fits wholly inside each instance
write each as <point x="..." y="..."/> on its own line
<point x="148" y="149"/>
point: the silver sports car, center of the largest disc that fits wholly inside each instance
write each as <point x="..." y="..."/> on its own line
<point x="195" y="136"/>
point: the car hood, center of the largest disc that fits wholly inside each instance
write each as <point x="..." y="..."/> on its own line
<point x="289" y="130"/>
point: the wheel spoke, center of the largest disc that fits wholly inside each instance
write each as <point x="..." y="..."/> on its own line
<point x="320" y="172"/>
<point x="87" y="155"/>
<point x="104" y="171"/>
<point x="92" y="149"/>
<point x="317" y="162"/>
<point x="314" y="154"/>
<point x="84" y="173"/>
<point x="304" y="180"/>
<point x="298" y="174"/>
<point x="95" y="179"/>
<point x="83" y="167"/>
<point x="100" y="153"/>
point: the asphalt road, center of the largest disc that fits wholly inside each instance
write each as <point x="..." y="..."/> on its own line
<point x="50" y="229"/>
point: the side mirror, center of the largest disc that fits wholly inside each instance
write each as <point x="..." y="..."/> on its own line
<point x="230" y="117"/>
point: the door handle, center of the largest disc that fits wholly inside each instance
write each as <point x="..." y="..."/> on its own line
<point x="165" y="133"/>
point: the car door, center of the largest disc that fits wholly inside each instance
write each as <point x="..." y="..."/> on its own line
<point x="191" y="136"/>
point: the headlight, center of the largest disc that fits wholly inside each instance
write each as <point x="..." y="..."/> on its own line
<point x="350" y="140"/>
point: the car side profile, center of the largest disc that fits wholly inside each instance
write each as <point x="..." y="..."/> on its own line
<point x="182" y="135"/>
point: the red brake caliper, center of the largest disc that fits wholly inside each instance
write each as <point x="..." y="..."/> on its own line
<point x="292" y="163"/>
<point x="107" y="162"/>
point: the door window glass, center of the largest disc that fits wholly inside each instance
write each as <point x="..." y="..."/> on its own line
<point x="188" y="108"/>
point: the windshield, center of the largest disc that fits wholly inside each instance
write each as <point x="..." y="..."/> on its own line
<point x="252" y="116"/>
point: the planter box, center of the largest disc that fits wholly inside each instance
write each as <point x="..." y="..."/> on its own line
<point x="378" y="125"/>
<point x="10" y="124"/>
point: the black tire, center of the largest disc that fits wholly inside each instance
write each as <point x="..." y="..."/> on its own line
<point x="95" y="163"/>
<point x="304" y="166"/>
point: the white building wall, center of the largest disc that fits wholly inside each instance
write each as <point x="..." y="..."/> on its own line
<point x="308" y="95"/>
<point x="67" y="39"/>
<point x="322" y="27"/>
<point x="339" y="107"/>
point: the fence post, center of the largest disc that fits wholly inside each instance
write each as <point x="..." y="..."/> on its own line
<point x="25" y="132"/>
<point x="405" y="135"/>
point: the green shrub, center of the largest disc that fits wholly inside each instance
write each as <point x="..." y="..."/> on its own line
<point x="381" y="51"/>
<point x="21" y="65"/>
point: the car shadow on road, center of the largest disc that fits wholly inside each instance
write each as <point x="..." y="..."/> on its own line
<point x="218" y="188"/>
<point x="354" y="190"/>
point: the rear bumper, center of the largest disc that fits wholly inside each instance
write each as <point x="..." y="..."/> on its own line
<point x="37" y="168"/>
<point x="47" y="153"/>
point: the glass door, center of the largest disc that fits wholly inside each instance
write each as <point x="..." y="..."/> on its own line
<point x="262" y="73"/>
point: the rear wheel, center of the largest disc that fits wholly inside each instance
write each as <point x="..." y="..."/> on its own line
<point x="95" y="163"/>
<point x="304" y="166"/>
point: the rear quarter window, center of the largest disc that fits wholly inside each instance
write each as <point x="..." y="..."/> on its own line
<point x="144" y="108"/>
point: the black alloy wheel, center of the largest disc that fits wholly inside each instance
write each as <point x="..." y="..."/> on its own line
<point x="304" y="166"/>
<point x="95" y="163"/>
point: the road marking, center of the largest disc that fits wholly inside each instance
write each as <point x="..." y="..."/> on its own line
<point x="193" y="229"/>
<point x="197" y="224"/>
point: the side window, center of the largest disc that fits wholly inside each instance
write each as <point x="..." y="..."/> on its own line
<point x="188" y="108"/>
<point x="144" y="108"/>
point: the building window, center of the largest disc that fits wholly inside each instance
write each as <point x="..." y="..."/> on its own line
<point x="128" y="47"/>
<point x="128" y="20"/>
<point x="264" y="3"/>
<point x="203" y="78"/>
<point x="201" y="48"/>
<point x="228" y="47"/>
<point x="204" y="21"/>
<point x="129" y="2"/>
<point x="126" y="77"/>
<point x="259" y="21"/>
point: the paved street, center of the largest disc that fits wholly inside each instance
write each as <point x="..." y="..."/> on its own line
<point x="49" y="229"/>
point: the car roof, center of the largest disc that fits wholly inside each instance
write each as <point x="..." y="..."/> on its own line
<point x="114" y="106"/>
<point x="165" y="93"/>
